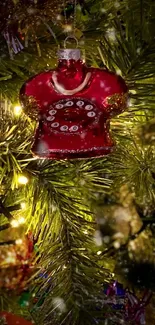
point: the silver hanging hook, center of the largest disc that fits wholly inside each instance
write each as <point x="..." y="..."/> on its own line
<point x="72" y="37"/>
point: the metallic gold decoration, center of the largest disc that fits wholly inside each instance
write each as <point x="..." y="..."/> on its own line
<point x="117" y="102"/>
<point x="15" y="264"/>
<point x="30" y="107"/>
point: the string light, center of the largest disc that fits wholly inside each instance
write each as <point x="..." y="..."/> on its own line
<point x="23" y="205"/>
<point x="99" y="252"/>
<point x="17" y="110"/>
<point x="67" y="28"/>
<point x="21" y="220"/>
<point x="14" y="223"/>
<point x="19" y="241"/>
<point x="22" y="180"/>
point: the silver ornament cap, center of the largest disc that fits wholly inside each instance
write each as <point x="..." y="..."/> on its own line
<point x="69" y="54"/>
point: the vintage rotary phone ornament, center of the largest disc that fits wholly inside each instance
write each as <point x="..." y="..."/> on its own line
<point x="73" y="104"/>
<point x="11" y="319"/>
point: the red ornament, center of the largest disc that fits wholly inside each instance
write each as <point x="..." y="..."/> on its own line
<point x="74" y="104"/>
<point x="14" y="319"/>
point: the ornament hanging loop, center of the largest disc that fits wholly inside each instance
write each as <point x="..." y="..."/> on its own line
<point x="70" y="37"/>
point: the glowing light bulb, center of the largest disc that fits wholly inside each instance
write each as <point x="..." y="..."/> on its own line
<point x="19" y="241"/>
<point x="22" y="180"/>
<point x="23" y="205"/>
<point x="99" y="253"/>
<point x="14" y="223"/>
<point x="21" y="220"/>
<point x="67" y="28"/>
<point x="17" y="110"/>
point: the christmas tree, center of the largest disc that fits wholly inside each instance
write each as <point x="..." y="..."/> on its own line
<point x="71" y="228"/>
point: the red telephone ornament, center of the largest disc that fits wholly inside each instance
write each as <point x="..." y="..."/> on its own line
<point x="13" y="319"/>
<point x="74" y="104"/>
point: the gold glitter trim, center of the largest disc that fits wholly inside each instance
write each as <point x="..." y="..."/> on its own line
<point x="30" y="106"/>
<point x="117" y="102"/>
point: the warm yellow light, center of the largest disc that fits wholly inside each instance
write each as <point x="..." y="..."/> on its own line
<point x="67" y="28"/>
<point x="22" y="180"/>
<point x="99" y="253"/>
<point x="14" y="223"/>
<point x="21" y="220"/>
<point x="23" y="205"/>
<point x="17" y="110"/>
<point x="19" y="241"/>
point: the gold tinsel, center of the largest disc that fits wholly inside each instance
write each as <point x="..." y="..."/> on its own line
<point x="116" y="103"/>
<point x="23" y="14"/>
<point x="15" y="264"/>
<point x="30" y="107"/>
<point x="20" y="17"/>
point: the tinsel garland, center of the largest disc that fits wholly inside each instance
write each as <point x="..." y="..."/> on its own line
<point x="19" y="27"/>
<point x="20" y="14"/>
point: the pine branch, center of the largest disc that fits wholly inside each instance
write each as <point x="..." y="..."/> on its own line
<point x="9" y="242"/>
<point x="5" y="211"/>
<point x="64" y="228"/>
<point x="4" y="227"/>
<point x="58" y="194"/>
<point x="133" y="165"/>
